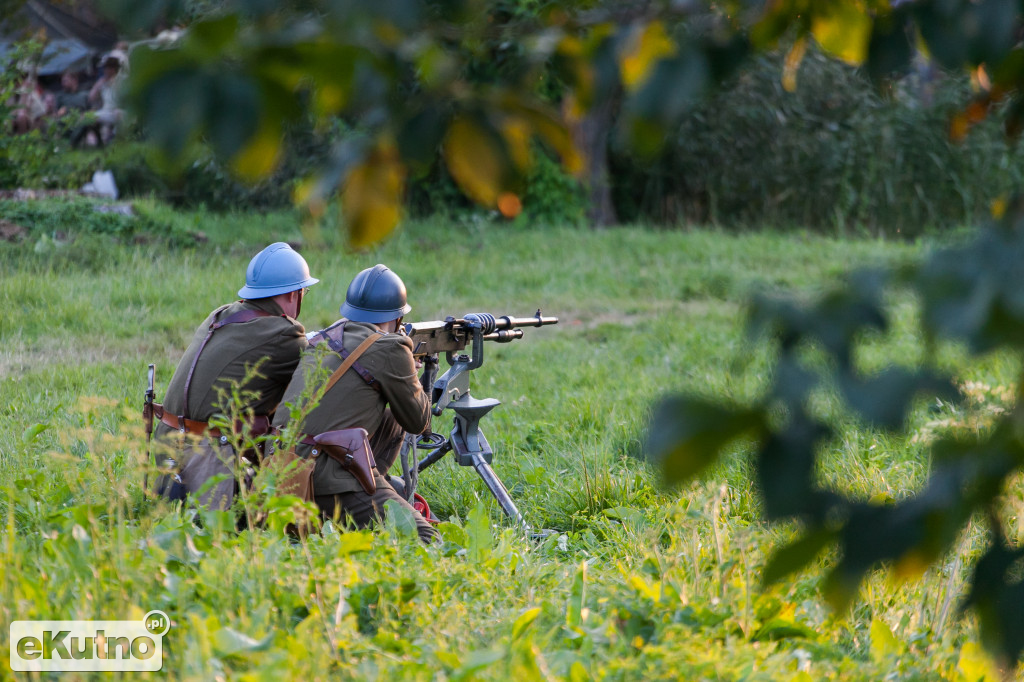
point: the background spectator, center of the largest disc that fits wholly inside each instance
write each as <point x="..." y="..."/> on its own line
<point x="32" y="106"/>
<point x="104" y="93"/>
<point x="71" y="103"/>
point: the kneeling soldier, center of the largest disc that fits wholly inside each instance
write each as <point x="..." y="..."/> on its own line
<point x="379" y="392"/>
<point x="252" y="345"/>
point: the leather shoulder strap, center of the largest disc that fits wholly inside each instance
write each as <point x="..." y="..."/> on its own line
<point x="350" y="360"/>
<point x="335" y="337"/>
<point x="237" y="317"/>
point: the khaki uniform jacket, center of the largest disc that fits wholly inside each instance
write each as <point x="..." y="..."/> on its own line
<point x="272" y="345"/>
<point x="352" y="402"/>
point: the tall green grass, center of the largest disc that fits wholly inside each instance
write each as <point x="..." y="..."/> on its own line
<point x="638" y="582"/>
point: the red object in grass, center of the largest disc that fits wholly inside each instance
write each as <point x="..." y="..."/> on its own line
<point x="420" y="505"/>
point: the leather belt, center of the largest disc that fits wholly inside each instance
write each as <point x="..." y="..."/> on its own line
<point x="189" y="425"/>
<point x="259" y="425"/>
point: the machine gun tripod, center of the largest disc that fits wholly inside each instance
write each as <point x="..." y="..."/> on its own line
<point x="451" y="391"/>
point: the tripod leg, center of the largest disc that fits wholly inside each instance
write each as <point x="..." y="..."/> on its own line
<point x="497" y="489"/>
<point x="434" y="456"/>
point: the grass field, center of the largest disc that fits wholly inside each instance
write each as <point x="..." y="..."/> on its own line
<point x="639" y="582"/>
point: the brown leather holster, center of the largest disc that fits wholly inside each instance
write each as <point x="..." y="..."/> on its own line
<point x="351" y="449"/>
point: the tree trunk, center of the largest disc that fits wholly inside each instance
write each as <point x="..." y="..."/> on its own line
<point x="590" y="134"/>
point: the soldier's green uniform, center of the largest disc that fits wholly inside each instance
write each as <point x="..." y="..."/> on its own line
<point x="271" y="346"/>
<point x="250" y="347"/>
<point x="379" y="392"/>
<point x="397" y="405"/>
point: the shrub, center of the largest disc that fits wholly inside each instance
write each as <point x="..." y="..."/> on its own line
<point x="68" y="220"/>
<point x="834" y="154"/>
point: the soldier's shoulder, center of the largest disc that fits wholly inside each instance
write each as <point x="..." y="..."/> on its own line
<point x="291" y="326"/>
<point x="395" y="341"/>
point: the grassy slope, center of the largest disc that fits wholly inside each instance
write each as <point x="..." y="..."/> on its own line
<point x="642" y="582"/>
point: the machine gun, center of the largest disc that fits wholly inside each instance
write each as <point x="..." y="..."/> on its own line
<point x="451" y="391"/>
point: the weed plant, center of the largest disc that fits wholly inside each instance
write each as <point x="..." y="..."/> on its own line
<point x="637" y="582"/>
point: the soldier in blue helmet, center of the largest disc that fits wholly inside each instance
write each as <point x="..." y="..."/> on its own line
<point x="258" y="332"/>
<point x="380" y="392"/>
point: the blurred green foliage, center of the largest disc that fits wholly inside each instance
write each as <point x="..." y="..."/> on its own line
<point x="834" y="155"/>
<point x="967" y="295"/>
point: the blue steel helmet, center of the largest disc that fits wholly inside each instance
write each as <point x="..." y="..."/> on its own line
<point x="375" y="295"/>
<point x="275" y="270"/>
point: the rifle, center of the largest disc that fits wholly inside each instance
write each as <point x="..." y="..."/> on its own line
<point x="147" y="419"/>
<point x="451" y="391"/>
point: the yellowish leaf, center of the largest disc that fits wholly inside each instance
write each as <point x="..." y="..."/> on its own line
<point x="652" y="592"/>
<point x="371" y="198"/>
<point x="524" y="621"/>
<point x="793" y="59"/>
<point x="330" y="99"/>
<point x="308" y="193"/>
<point x="958" y="127"/>
<point x="475" y="160"/>
<point x="449" y="659"/>
<point x="578" y="673"/>
<point x="910" y="565"/>
<point x="553" y="131"/>
<point x="260" y="155"/>
<point x="516" y="133"/>
<point x="644" y="50"/>
<point x="999" y="207"/>
<point x="843" y="29"/>
<point x="975" y="665"/>
<point x="883" y="642"/>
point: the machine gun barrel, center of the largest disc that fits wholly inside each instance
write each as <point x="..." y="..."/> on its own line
<point x="454" y="334"/>
<point x="536" y="321"/>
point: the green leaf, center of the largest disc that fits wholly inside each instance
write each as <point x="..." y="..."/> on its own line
<point x="478" y="528"/>
<point x="782" y="628"/>
<point x="232" y="115"/>
<point x="211" y="37"/>
<point x="31" y="434"/>
<point x="479" y="660"/>
<point x="883" y="643"/>
<point x="941" y="26"/>
<point x="401" y="518"/>
<point x="577" y="598"/>
<point x="889" y="49"/>
<point x="796" y="555"/>
<point x="624" y="514"/>
<point x="453" y="533"/>
<point x="524" y="621"/>
<point x="688" y="434"/>
<point x="173" y="107"/>
<point x="354" y="542"/>
<point x="229" y="642"/>
<point x="884" y="399"/>
<point x="990" y="29"/>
